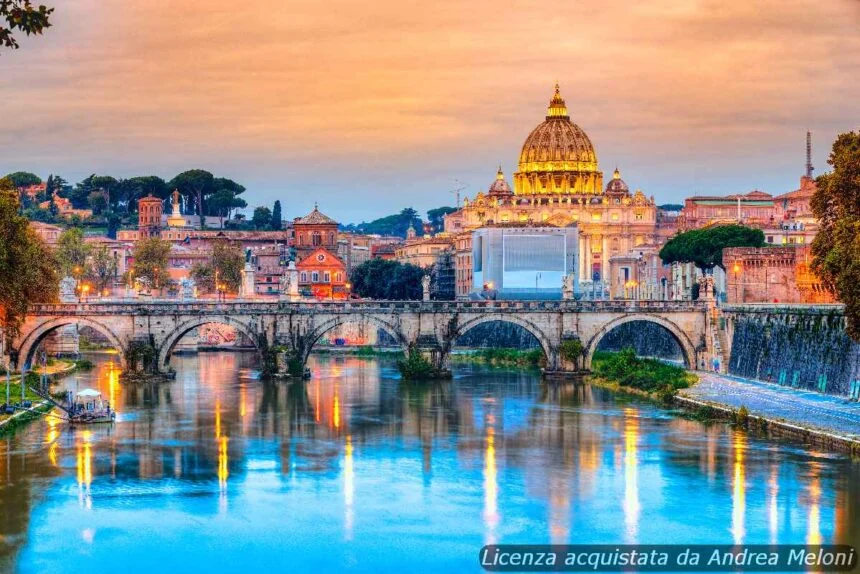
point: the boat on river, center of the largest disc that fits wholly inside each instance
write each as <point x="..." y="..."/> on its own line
<point x="88" y="407"/>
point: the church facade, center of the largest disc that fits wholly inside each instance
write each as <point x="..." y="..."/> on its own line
<point x="559" y="183"/>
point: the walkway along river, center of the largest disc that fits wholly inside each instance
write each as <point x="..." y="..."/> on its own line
<point x="218" y="471"/>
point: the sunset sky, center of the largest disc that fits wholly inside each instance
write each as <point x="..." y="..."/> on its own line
<point x="372" y="106"/>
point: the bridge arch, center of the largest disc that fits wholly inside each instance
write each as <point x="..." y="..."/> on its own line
<point x="30" y="340"/>
<point x="550" y="350"/>
<point x="688" y="349"/>
<point x="318" y="331"/>
<point x="169" y="343"/>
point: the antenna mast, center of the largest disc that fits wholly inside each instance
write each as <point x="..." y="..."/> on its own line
<point x="809" y="168"/>
<point x="456" y="191"/>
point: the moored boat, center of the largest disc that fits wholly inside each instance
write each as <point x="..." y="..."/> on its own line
<point x="88" y="407"/>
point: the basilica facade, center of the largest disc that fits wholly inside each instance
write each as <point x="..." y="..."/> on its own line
<point x="559" y="183"/>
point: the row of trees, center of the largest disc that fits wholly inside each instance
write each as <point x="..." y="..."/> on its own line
<point x="399" y="223"/>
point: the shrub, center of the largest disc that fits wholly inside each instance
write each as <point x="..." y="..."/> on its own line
<point x="649" y="375"/>
<point x="415" y="366"/>
<point x="742" y="417"/>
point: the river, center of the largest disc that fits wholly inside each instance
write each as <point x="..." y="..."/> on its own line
<point x="218" y="471"/>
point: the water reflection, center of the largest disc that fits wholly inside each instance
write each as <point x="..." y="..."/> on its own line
<point x="356" y="465"/>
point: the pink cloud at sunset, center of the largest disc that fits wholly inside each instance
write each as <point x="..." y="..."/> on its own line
<point x="368" y="107"/>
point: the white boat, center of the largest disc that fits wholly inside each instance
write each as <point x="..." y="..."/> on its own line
<point x="88" y="407"/>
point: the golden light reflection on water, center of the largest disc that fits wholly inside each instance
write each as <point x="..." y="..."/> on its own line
<point x="813" y="529"/>
<point x="85" y="469"/>
<point x="773" y="503"/>
<point x="739" y="488"/>
<point x="348" y="487"/>
<point x="491" y="511"/>
<point x="52" y="420"/>
<point x="632" y="506"/>
<point x="223" y="460"/>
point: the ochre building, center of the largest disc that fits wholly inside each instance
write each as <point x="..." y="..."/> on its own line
<point x="558" y="182"/>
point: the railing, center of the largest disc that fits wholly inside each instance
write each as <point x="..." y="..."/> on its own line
<point x="238" y="306"/>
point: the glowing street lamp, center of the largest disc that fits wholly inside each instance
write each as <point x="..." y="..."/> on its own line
<point x="737" y="269"/>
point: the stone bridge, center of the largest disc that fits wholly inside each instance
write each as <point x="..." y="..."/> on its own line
<point x="431" y="326"/>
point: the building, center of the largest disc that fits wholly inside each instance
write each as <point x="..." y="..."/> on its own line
<point x="523" y="262"/>
<point x="559" y="183"/>
<point x="49" y="233"/>
<point x="463" y="264"/>
<point x="149" y="211"/>
<point x="33" y="192"/>
<point x="384" y="251"/>
<point x="772" y="275"/>
<point x="425" y="251"/>
<point x="754" y="209"/>
<point x="313" y="231"/>
<point x="65" y="207"/>
<point x="323" y="275"/>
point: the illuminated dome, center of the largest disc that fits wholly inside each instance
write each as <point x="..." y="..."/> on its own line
<point x="557" y="157"/>
<point x="617" y="185"/>
<point x="500" y="186"/>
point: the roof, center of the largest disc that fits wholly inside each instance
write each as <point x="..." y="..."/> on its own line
<point x="316" y="217"/>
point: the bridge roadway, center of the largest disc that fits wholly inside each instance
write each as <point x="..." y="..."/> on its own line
<point x="432" y="326"/>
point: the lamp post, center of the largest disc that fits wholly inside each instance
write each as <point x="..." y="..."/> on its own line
<point x="737" y="269"/>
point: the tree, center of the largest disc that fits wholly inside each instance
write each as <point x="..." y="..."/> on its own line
<point x="150" y="260"/>
<point x="388" y="280"/>
<point x="97" y="201"/>
<point x="24" y="16"/>
<point x="277" y="221"/>
<point x="836" y="247"/>
<point x="72" y="252"/>
<point x="704" y="247"/>
<point x="132" y="189"/>
<point x="226" y="263"/>
<point x="102" y="270"/>
<point x="195" y="185"/>
<point x="436" y="217"/>
<point x="396" y="224"/>
<point x="27" y="266"/>
<point x="23" y="178"/>
<point x="262" y="217"/>
<point x="223" y="202"/>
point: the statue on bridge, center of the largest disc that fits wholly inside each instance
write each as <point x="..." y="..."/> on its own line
<point x="425" y="287"/>
<point x="188" y="289"/>
<point x="290" y="283"/>
<point x="567" y="287"/>
<point x="68" y="287"/>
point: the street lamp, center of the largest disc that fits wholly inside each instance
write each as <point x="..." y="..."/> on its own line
<point x="737" y="269"/>
<point x="84" y="290"/>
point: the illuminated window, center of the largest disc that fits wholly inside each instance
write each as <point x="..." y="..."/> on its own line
<point x="614" y="217"/>
<point x="639" y="216"/>
<point x="595" y="217"/>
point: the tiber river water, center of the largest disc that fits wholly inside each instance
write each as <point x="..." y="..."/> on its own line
<point x="219" y="472"/>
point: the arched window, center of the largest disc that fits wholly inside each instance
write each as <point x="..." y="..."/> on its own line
<point x="304" y="277"/>
<point x="331" y="238"/>
<point x="338" y="277"/>
<point x="327" y="277"/>
<point x="315" y="277"/>
<point x="316" y="239"/>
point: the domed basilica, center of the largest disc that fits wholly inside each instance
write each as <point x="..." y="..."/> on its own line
<point x="559" y="183"/>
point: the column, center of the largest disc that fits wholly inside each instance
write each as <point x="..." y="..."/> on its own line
<point x="581" y="243"/>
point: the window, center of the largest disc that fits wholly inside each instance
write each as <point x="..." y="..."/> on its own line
<point x="316" y="239"/>
<point x="315" y="277"/>
<point x="327" y="277"/>
<point x="304" y="277"/>
<point x="770" y="238"/>
<point x="338" y="277"/>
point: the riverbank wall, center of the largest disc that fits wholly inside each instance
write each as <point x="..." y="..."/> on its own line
<point x="799" y="346"/>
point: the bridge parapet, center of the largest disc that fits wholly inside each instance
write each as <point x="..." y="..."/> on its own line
<point x="170" y="307"/>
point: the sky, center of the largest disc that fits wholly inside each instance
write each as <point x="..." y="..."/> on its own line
<point x="369" y="107"/>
